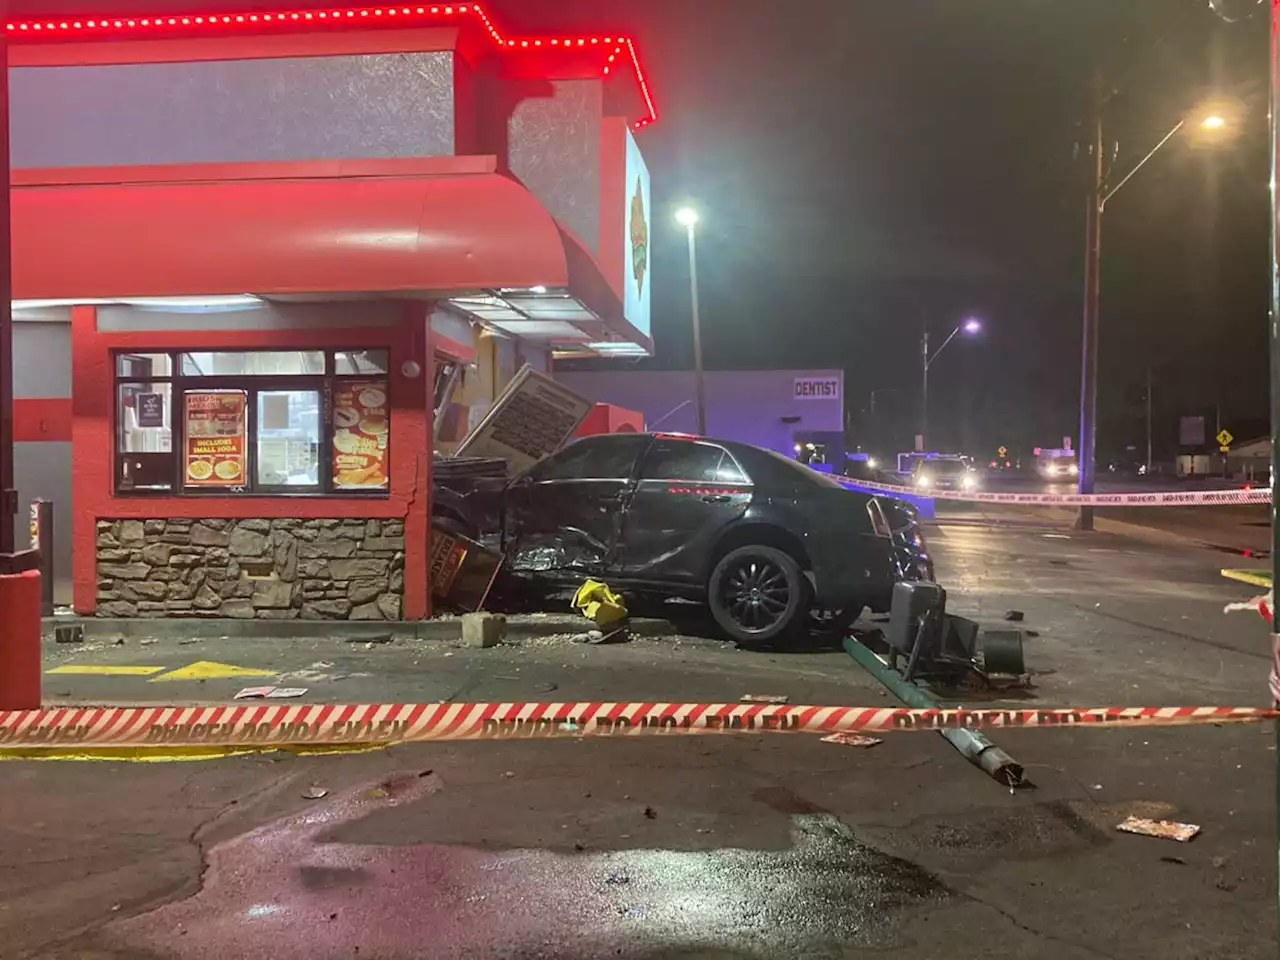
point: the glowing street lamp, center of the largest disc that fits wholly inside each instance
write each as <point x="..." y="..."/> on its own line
<point x="687" y="217"/>
<point x="971" y="327"/>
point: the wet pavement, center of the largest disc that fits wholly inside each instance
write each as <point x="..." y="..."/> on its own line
<point x="298" y="886"/>
<point x="729" y="847"/>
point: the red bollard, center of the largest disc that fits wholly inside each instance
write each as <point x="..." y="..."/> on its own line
<point x="20" y="641"/>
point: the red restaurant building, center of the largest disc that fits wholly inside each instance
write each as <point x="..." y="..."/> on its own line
<point x="265" y="264"/>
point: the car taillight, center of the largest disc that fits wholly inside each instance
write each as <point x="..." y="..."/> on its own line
<point x="878" y="521"/>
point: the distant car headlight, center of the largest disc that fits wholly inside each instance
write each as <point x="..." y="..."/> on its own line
<point x="1073" y="470"/>
<point x="923" y="482"/>
<point x="969" y="483"/>
<point x="1051" y="470"/>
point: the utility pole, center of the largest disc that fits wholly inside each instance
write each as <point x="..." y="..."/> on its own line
<point x="1092" y="289"/>
<point x="1148" y="420"/>
<point x="924" y="386"/>
<point x="1274" y="104"/>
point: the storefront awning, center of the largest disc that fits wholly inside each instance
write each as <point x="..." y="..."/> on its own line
<point x="427" y="228"/>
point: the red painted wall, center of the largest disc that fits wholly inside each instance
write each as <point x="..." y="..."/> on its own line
<point x="93" y="432"/>
<point x="47" y="419"/>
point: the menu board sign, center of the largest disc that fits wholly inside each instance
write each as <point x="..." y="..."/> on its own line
<point x="532" y="419"/>
<point x="360" y="429"/>
<point x="215" y="439"/>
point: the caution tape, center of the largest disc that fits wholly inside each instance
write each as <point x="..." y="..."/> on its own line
<point x="1165" y="498"/>
<point x="265" y="725"/>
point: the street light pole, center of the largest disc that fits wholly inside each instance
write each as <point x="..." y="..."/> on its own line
<point x="1096" y="203"/>
<point x="1092" y="288"/>
<point x="968" y="326"/>
<point x="689" y="218"/>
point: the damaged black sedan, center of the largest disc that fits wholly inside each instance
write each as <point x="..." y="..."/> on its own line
<point x="762" y="539"/>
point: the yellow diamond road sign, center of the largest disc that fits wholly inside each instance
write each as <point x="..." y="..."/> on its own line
<point x="208" y="670"/>
<point x="1225" y="437"/>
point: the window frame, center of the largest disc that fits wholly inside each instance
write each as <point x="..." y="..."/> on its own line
<point x="642" y="444"/>
<point x="677" y="443"/>
<point x="253" y="385"/>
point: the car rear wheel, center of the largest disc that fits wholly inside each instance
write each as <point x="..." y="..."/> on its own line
<point x="758" y="593"/>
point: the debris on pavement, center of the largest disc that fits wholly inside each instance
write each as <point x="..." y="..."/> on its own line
<point x="650" y="813"/>
<point x="852" y="740"/>
<point x="1014" y="616"/>
<point x="314" y="793"/>
<point x="1261" y="605"/>
<point x="1162" y="829"/>
<point x="1177" y="860"/>
<point x="595" y="601"/>
<point x="270" y="693"/>
<point x="73" y="633"/>
<point x="763" y="698"/>
<point x="596" y="637"/>
<point x="375" y="638"/>
<point x="483" y="630"/>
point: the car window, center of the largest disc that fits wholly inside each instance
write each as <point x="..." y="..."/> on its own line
<point x="687" y="460"/>
<point x="604" y="458"/>
<point x="787" y="469"/>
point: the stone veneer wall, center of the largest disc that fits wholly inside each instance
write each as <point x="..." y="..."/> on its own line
<point x="318" y="569"/>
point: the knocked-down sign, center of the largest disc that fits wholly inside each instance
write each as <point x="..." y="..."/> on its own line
<point x="532" y="419"/>
<point x="462" y="571"/>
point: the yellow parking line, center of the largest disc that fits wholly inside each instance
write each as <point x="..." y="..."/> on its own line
<point x="1256" y="578"/>
<point x="210" y="670"/>
<point x="96" y="670"/>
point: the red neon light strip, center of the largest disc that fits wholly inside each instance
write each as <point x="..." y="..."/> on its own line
<point x="96" y="28"/>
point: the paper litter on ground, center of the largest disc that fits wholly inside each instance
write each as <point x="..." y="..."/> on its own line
<point x="1163" y="829"/>
<point x="270" y="693"/>
<point x="852" y="740"/>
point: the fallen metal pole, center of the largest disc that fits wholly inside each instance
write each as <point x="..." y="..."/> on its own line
<point x="973" y="746"/>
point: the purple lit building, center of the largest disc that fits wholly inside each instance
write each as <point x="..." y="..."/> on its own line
<point x="777" y="409"/>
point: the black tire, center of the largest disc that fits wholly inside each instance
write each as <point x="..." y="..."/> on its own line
<point x="758" y="594"/>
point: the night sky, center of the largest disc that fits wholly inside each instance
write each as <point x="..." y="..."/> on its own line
<point x="864" y="167"/>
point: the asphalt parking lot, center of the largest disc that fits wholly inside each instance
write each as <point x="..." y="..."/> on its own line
<point x="735" y="846"/>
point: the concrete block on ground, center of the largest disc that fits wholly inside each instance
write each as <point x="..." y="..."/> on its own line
<point x="483" y="629"/>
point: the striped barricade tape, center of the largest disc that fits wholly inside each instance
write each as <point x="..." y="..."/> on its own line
<point x="322" y="724"/>
<point x="1164" y="498"/>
